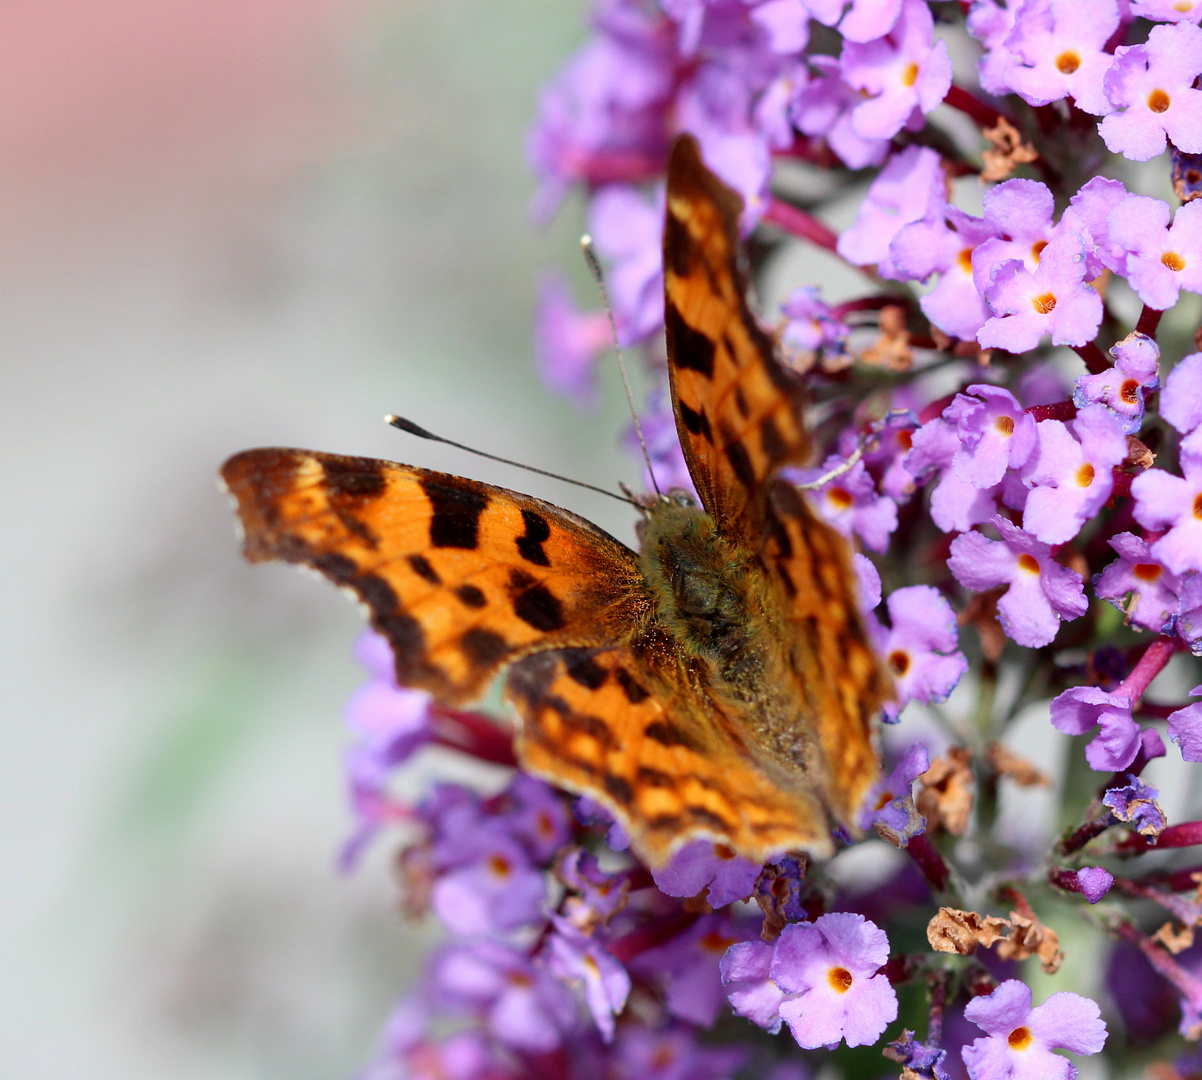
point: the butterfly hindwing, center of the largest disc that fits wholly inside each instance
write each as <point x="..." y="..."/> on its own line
<point x="596" y="722"/>
<point x="460" y="577"/>
<point x="738" y="411"/>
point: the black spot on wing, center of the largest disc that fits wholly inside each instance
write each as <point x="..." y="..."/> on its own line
<point x="707" y="817"/>
<point x="740" y="460"/>
<point x="678" y="245"/>
<point x="530" y="543"/>
<point x="653" y="777"/>
<point x="584" y="723"/>
<point x="408" y="641"/>
<point x="633" y="691"/>
<point x="455" y="513"/>
<point x="420" y="565"/>
<point x="618" y="789"/>
<point x="740" y="400"/>
<point x="483" y="648"/>
<point x="356" y="478"/>
<point x="696" y="422"/>
<point x="338" y="568"/>
<point x="376" y="593"/>
<point x="540" y="608"/>
<point x="667" y="822"/>
<point x="690" y="348"/>
<point x="771" y="439"/>
<point x="666" y="733"/>
<point x="584" y="670"/>
<point x="471" y="596"/>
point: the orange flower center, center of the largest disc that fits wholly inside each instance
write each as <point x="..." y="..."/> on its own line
<point x="1085" y="475"/>
<point x="1146" y="571"/>
<point x="1198" y="507"/>
<point x="840" y="979"/>
<point x="1004" y="425"/>
<point x="1172" y="261"/>
<point x="965" y="260"/>
<point x="1068" y="62"/>
<point x="1019" y="1038"/>
<point x="1037" y="248"/>
<point x="1129" y="391"/>
<point x="910" y="75"/>
<point x="499" y="865"/>
<point x="1159" y="101"/>
<point x="899" y="661"/>
<point x="1045" y="304"/>
<point x="1028" y="563"/>
<point x="839" y="498"/>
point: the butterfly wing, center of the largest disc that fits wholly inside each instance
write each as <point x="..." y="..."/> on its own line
<point x="460" y="577"/>
<point x="597" y="722"/>
<point x="738" y="411"/>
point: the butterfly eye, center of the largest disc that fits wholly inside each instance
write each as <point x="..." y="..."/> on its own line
<point x="681" y="498"/>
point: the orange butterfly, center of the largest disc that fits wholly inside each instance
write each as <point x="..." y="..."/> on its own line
<point x="718" y="683"/>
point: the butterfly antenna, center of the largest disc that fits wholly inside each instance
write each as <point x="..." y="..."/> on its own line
<point x="594" y="265"/>
<point x="415" y="429"/>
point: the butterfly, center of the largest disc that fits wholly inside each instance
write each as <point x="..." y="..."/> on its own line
<point x="720" y="682"/>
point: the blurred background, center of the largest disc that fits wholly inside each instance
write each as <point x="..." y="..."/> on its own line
<point x="227" y="224"/>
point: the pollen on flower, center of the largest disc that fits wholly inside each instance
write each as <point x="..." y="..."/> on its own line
<point x="910" y="74"/>
<point x="1037" y="248"/>
<point x="1068" y="62"/>
<point x="499" y="865"/>
<point x="1159" y="101"/>
<point x="899" y="661"/>
<point x="1170" y="260"/>
<point x="839" y="498"/>
<point x="1129" y="392"/>
<point x="1028" y="563"/>
<point x="840" y="979"/>
<point x="1020" y="1038"/>
<point x="1045" y="304"/>
<point x="1146" y="571"/>
<point x="1004" y="425"/>
<point x="1085" y="475"/>
<point x="965" y="259"/>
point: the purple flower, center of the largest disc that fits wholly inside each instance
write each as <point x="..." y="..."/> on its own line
<point x="1185" y="728"/>
<point x="990" y="22"/>
<point x="994" y="434"/>
<point x="956" y="505"/>
<point x="1167" y="10"/>
<point x="1163" y="500"/>
<point x="909" y="188"/>
<point x="1121" y="389"/>
<point x="825" y="108"/>
<point x="745" y="969"/>
<point x="1019" y="214"/>
<point x="828" y="971"/>
<point x="1162" y="259"/>
<point x="811" y="327"/>
<point x="600" y="895"/>
<point x="1151" y="89"/>
<point x="535" y="813"/>
<point x="687" y="967"/>
<point x="1080" y="709"/>
<point x="1070" y="474"/>
<point x="1041" y="591"/>
<point x="568" y="342"/>
<point x="1136" y="573"/>
<point x="486" y="881"/>
<point x="1019" y="1039"/>
<point x="663" y="446"/>
<point x="582" y="960"/>
<point x="702" y="863"/>
<point x="851" y="503"/>
<point x="1188" y="620"/>
<point x="890" y="804"/>
<point x="1061" y="48"/>
<point x="905" y="72"/>
<point x="672" y="1052"/>
<point x="921" y="645"/>
<point x="1094" y="882"/>
<point x="1135" y="803"/>
<point x="1090" y="208"/>
<point x="627" y="231"/>
<point x="864" y="19"/>
<point x="920" y="1059"/>
<point x="1181" y="402"/>
<point x="389" y="723"/>
<point x="1053" y="300"/>
<point x="522" y="1003"/>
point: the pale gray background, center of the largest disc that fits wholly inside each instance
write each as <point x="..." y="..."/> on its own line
<point x="227" y="224"/>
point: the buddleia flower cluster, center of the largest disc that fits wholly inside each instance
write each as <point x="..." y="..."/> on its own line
<point x="1008" y="406"/>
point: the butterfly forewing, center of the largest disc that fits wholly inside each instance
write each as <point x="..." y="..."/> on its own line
<point x="738" y="412"/>
<point x="461" y="577"/>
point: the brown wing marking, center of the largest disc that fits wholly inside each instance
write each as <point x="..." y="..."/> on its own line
<point x="461" y="577"/>
<point x="738" y="412"/>
<point x="812" y="565"/>
<point x="591" y="724"/>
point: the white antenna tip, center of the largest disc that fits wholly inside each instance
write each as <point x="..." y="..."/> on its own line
<point x="586" y="241"/>
<point x="391" y="418"/>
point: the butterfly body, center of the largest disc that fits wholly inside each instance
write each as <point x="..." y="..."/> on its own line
<point x="720" y="681"/>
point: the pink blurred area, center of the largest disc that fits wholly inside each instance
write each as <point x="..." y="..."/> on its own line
<point x="115" y="100"/>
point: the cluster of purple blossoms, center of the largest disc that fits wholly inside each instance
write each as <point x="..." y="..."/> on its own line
<point x="1009" y="425"/>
